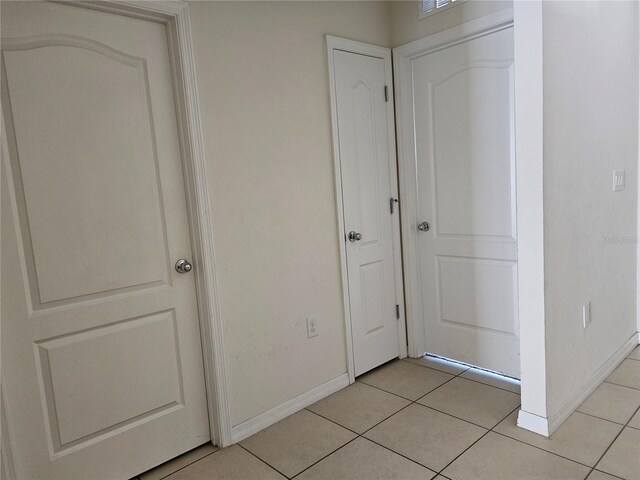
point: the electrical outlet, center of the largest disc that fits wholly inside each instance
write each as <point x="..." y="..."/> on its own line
<point x="586" y="314"/>
<point x="312" y="327"/>
<point x="618" y="180"/>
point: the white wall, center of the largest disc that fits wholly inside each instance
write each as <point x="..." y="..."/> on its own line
<point x="407" y="27"/>
<point x="590" y="128"/>
<point x="262" y="75"/>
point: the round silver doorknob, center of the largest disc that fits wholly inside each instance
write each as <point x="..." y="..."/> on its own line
<point x="354" y="236"/>
<point x="424" y="226"/>
<point x="182" y="266"/>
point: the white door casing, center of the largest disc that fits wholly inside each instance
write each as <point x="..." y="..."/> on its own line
<point x="104" y="367"/>
<point x="366" y="181"/>
<point x="457" y="160"/>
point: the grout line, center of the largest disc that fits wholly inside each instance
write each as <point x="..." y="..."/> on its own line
<point x="463" y="419"/>
<point x="184" y="466"/>
<point x="421" y="396"/>
<point x="263" y="461"/>
<point x="489" y="385"/>
<point x="599" y="418"/>
<point x="465" y="378"/>
<point x="333" y="421"/>
<point x="408" y="360"/>
<point x="619" y="385"/>
<point x="606" y="473"/>
<point x="612" y="442"/>
<point x="369" y="429"/>
<point x="483" y="435"/>
<point x="386" y="391"/>
<point x="541" y="449"/>
<point x="403" y="456"/>
<point x="329" y="454"/>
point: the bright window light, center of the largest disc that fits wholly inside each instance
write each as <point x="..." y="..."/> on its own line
<point x="429" y="7"/>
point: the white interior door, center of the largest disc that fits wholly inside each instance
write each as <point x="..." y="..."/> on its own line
<point x="460" y="107"/>
<point x="102" y="369"/>
<point x="367" y="163"/>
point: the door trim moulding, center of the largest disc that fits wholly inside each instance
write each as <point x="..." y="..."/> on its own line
<point x="175" y="16"/>
<point x="351" y="46"/>
<point x="402" y="58"/>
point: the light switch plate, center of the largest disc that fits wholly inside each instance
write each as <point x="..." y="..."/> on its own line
<point x="618" y="180"/>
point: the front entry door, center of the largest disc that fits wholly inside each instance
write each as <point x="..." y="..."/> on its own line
<point x="463" y="121"/>
<point x="364" y="115"/>
<point x="102" y="369"/>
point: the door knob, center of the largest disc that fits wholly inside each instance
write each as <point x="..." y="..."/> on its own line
<point x="424" y="226"/>
<point x="354" y="236"/>
<point x="182" y="266"/>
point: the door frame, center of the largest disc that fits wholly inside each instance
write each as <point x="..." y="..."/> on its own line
<point x="402" y="57"/>
<point x="175" y="15"/>
<point x="351" y="46"/>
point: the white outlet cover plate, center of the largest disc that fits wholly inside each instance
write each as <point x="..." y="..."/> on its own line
<point x="618" y="180"/>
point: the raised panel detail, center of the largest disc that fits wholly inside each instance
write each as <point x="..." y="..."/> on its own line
<point x="478" y="294"/>
<point x="472" y="132"/>
<point x="365" y="142"/>
<point x="109" y="377"/>
<point x="372" y="281"/>
<point x="92" y="221"/>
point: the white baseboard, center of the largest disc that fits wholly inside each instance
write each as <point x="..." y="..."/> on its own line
<point x="268" y="418"/>
<point x="533" y="423"/>
<point x="568" y="407"/>
<point x="546" y="426"/>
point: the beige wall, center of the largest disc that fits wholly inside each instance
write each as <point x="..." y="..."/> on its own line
<point x="406" y="27"/>
<point x="262" y="75"/>
<point x="590" y="129"/>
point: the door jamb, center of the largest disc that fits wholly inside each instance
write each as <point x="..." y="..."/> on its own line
<point x="402" y="57"/>
<point x="351" y="46"/>
<point x="175" y="15"/>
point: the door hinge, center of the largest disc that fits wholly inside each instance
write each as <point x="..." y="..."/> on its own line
<point x="397" y="311"/>
<point x="386" y="93"/>
<point x="391" y="202"/>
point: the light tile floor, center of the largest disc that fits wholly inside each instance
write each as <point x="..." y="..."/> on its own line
<point x="429" y="419"/>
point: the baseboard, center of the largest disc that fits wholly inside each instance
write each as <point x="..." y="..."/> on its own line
<point x="268" y="418"/>
<point x="556" y="418"/>
<point x="533" y="423"/>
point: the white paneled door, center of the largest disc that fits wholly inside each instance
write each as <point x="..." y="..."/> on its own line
<point x="102" y="369"/>
<point x="364" y="115"/>
<point x="457" y="104"/>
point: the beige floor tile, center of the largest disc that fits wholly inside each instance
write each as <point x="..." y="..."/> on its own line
<point x="176" y="464"/>
<point x="428" y="437"/>
<point x="612" y="402"/>
<point x="481" y="404"/>
<point x="438" y="364"/>
<point x="627" y="374"/>
<point x="492" y="379"/>
<point x="359" y="407"/>
<point x="405" y="379"/>
<point x="635" y="420"/>
<point x="623" y="458"/>
<point x="635" y="353"/>
<point x="364" y="460"/>
<point x="596" y="475"/>
<point x="231" y="463"/>
<point x="581" y="437"/>
<point x="296" y="442"/>
<point x="496" y="457"/>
